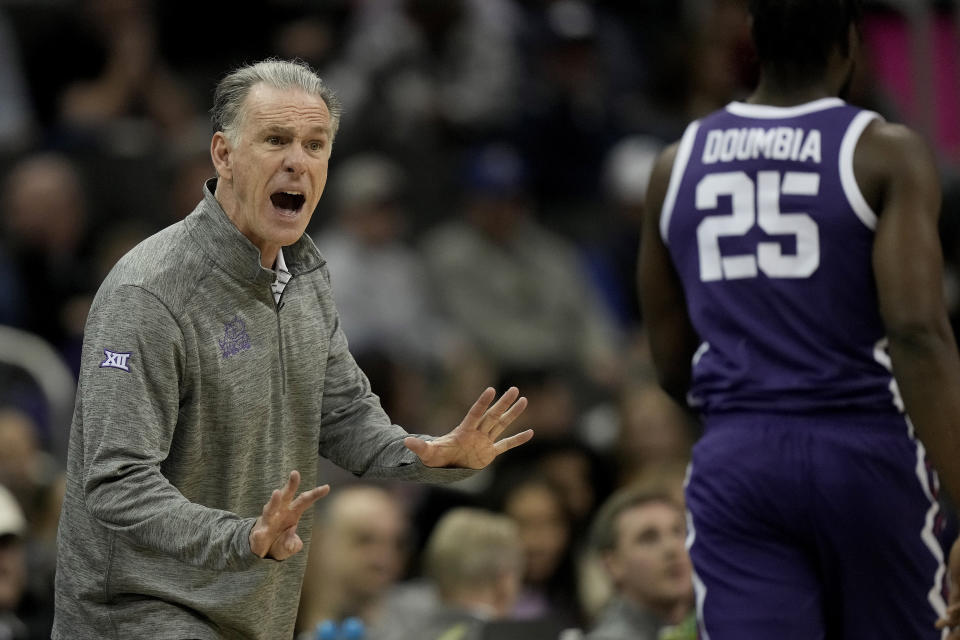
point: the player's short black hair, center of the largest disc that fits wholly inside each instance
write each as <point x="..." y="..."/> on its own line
<point x="794" y="38"/>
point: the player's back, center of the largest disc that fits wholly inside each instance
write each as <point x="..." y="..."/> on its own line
<point x="773" y="240"/>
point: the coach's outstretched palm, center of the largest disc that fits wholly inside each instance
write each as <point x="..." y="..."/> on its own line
<point x="473" y="443"/>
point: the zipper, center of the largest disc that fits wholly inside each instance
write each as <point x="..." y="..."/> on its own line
<point x="283" y="373"/>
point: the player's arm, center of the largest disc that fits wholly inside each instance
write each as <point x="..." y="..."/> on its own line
<point x="672" y="338"/>
<point x="896" y="171"/>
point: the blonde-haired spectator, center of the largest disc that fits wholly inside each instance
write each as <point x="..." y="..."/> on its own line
<point x="474" y="559"/>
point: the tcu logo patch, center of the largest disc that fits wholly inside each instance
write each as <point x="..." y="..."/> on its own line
<point x="116" y="360"/>
<point x="235" y="338"/>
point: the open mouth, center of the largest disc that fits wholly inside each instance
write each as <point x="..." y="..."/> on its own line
<point x="287" y="201"/>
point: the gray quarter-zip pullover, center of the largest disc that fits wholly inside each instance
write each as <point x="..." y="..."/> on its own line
<point x="198" y="395"/>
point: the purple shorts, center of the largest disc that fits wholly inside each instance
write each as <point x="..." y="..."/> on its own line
<point x="813" y="527"/>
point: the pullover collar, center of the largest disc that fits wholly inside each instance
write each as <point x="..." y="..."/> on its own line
<point x="233" y="252"/>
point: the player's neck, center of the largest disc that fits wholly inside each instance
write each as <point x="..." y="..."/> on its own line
<point x="778" y="94"/>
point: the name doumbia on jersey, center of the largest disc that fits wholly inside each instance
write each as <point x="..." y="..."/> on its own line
<point x="775" y="143"/>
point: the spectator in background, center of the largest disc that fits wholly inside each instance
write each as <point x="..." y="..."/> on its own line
<point x="421" y="77"/>
<point x="45" y="219"/>
<point x="473" y="588"/>
<point x="612" y="251"/>
<point x="512" y="286"/>
<point x="473" y="368"/>
<point x="12" y="305"/>
<point x="549" y="587"/>
<point x="33" y="478"/>
<point x="17" y="119"/>
<point x="133" y="81"/>
<point x="386" y="306"/>
<point x="315" y="33"/>
<point x="379" y="283"/>
<point x="697" y="54"/>
<point x="553" y="396"/>
<point x="419" y="66"/>
<point x="720" y="55"/>
<point x="582" y="477"/>
<point x="574" y="469"/>
<point x="640" y="538"/>
<point x="581" y="67"/>
<point x="358" y="553"/>
<point x="654" y="433"/>
<point x="13" y="569"/>
<point x="188" y="169"/>
<point x="25" y="468"/>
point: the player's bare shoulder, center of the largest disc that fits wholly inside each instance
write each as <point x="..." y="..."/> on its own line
<point x="888" y="155"/>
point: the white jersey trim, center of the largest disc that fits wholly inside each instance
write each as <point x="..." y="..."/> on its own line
<point x="766" y="111"/>
<point x="934" y="596"/>
<point x="676" y="176"/>
<point x="699" y="589"/>
<point x="847" y="178"/>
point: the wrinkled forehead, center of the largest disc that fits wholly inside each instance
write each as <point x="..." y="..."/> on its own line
<point x="269" y="107"/>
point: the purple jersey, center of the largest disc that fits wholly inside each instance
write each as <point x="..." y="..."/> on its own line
<point x="773" y="240"/>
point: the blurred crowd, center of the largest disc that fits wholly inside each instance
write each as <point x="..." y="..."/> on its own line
<point x="481" y="227"/>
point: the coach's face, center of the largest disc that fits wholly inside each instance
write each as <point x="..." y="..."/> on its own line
<point x="274" y="167"/>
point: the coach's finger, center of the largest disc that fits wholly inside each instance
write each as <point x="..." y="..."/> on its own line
<point x="307" y="498"/>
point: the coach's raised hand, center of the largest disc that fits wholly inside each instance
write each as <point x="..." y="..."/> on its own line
<point x="473" y="443"/>
<point x="274" y="534"/>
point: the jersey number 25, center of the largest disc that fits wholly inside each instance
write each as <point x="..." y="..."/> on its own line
<point x="757" y="204"/>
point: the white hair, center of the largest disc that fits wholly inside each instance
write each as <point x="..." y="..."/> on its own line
<point x="228" y="98"/>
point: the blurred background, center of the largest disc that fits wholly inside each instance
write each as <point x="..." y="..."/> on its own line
<point x="480" y="223"/>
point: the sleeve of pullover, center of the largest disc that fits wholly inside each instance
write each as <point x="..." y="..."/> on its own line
<point x="355" y="432"/>
<point x="131" y="375"/>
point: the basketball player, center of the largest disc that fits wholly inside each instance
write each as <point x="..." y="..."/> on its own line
<point x="791" y="278"/>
